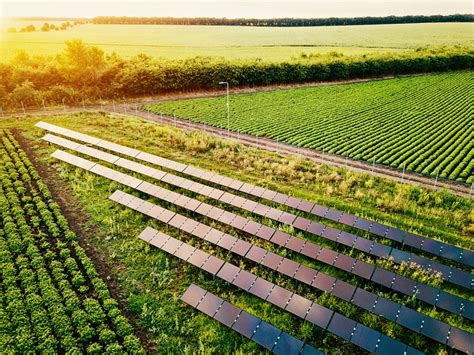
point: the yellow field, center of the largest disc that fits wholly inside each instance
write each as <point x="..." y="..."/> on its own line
<point x="273" y="44"/>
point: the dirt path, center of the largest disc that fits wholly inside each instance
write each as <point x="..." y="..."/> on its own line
<point x="131" y="108"/>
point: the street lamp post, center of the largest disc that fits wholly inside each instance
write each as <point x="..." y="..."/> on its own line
<point x="226" y="83"/>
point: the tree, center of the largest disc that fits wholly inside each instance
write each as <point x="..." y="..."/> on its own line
<point x="25" y="93"/>
<point x="82" y="64"/>
<point x="45" y="27"/>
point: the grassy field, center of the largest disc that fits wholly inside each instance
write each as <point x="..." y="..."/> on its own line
<point x="420" y="123"/>
<point x="152" y="281"/>
<point x="272" y="44"/>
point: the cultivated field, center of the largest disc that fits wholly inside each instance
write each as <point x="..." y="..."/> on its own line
<point x="422" y="124"/>
<point x="270" y="44"/>
<point x="152" y="281"/>
<point x="53" y="299"/>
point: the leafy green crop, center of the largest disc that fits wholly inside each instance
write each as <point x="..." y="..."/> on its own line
<point x="423" y="123"/>
<point x="52" y="298"/>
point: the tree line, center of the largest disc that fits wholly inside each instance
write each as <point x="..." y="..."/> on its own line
<point x="84" y="72"/>
<point x="281" y="22"/>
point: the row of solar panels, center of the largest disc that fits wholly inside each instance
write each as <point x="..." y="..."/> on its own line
<point x="428" y="294"/>
<point x="246" y="324"/>
<point x="449" y="274"/>
<point x="428" y="245"/>
<point x="444" y="332"/>
<point x="323" y="317"/>
<point x="392" y="311"/>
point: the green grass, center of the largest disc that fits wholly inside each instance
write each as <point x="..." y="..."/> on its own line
<point x="153" y="281"/>
<point x="272" y="44"/>
<point x="420" y="123"/>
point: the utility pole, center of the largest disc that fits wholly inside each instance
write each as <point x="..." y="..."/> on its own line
<point x="226" y="83"/>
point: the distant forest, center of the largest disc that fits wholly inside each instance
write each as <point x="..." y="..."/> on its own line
<point x="281" y="22"/>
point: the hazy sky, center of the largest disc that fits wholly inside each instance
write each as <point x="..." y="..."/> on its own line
<point x="232" y="8"/>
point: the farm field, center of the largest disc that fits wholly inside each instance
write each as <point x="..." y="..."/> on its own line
<point x="153" y="281"/>
<point x="269" y="44"/>
<point x="53" y="299"/>
<point x="422" y="124"/>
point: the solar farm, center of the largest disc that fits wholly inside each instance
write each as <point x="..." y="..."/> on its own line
<point x="297" y="242"/>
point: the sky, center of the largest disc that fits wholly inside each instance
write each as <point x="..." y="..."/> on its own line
<point x="232" y="8"/>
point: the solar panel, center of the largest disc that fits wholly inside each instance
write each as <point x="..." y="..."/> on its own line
<point x="380" y="250"/>
<point x="410" y="319"/>
<point x="343" y="290"/>
<point x="327" y="256"/>
<point x="323" y="282"/>
<point x="241" y="247"/>
<point x="383" y="277"/>
<point x="210" y="304"/>
<point x="298" y="305"/>
<point x="319" y="315"/>
<point x="342" y="326"/>
<point x="387" y="308"/>
<point x="279" y="296"/>
<point x="365" y="337"/>
<point x="227" y="314"/>
<point x="295" y="244"/>
<point x="261" y="288"/>
<point x="246" y="324"/>
<point x="461" y="340"/>
<point x="212" y="265"/>
<point x="193" y="295"/>
<point x="305" y="274"/>
<point x="288" y="267"/>
<point x="244" y="280"/>
<point x="288" y="345"/>
<point x="272" y="260"/>
<point x="266" y="335"/>
<point x="364" y="299"/>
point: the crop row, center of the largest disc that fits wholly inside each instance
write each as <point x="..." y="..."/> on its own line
<point x="422" y="123"/>
<point x="53" y="300"/>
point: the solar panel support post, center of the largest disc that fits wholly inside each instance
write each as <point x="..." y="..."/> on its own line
<point x="113" y="104"/>
<point x="64" y="106"/>
<point x="124" y="108"/>
<point x="174" y="116"/>
<point x="403" y="173"/>
<point x="44" y="107"/>
<point x="436" y="179"/>
<point x="136" y="109"/>
<point x="101" y="105"/>
<point x="1" y="110"/>
<point x="373" y="164"/>
<point x="83" y="104"/>
<point x="23" y="106"/>
<point x="347" y="157"/>
<point x="322" y="156"/>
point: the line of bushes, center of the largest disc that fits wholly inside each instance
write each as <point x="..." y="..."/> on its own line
<point x="83" y="72"/>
